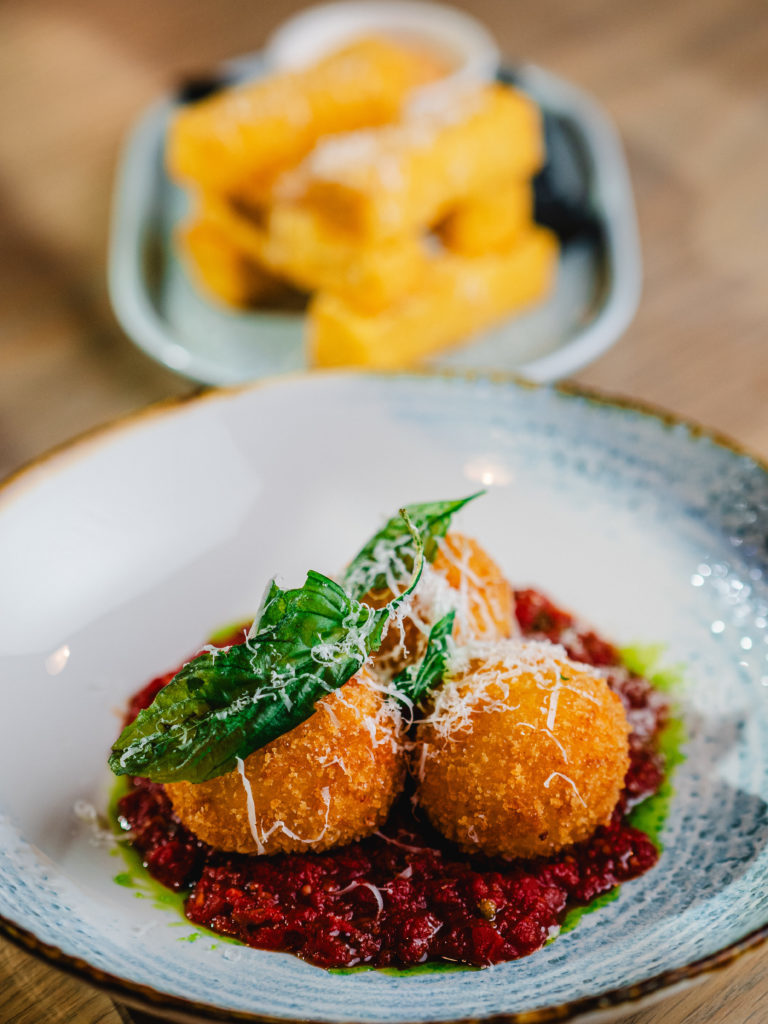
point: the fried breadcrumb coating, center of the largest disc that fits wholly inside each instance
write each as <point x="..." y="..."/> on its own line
<point x="463" y="576"/>
<point x="523" y="753"/>
<point x="329" y="781"/>
<point x="486" y="603"/>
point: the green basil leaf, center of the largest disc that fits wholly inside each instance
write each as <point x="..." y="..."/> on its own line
<point x="225" y="704"/>
<point x="388" y="557"/>
<point x="416" y="681"/>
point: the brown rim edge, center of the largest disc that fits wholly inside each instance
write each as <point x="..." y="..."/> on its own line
<point x="150" y="999"/>
<point x="153" y="1000"/>
<point x="201" y="392"/>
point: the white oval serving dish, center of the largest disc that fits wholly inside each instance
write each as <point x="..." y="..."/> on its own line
<point x="599" y="273"/>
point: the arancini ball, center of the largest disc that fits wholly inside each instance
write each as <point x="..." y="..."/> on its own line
<point x="485" y="609"/>
<point x="463" y="576"/>
<point x="329" y="781"/>
<point x="523" y="753"/>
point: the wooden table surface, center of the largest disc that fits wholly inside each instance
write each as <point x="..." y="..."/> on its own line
<point x="687" y="84"/>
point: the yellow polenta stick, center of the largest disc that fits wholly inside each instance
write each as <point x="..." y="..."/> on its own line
<point x="402" y="178"/>
<point x="315" y="255"/>
<point x="253" y="132"/>
<point x="222" y="269"/>
<point x="245" y="230"/>
<point x="490" y="222"/>
<point x="458" y="297"/>
<point x="297" y="245"/>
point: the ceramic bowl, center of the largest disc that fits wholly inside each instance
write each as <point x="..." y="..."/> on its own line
<point x="122" y="552"/>
<point x="583" y="193"/>
<point x="468" y="46"/>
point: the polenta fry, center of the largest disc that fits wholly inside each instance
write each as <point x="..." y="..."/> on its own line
<point x="250" y="133"/>
<point x="491" y="222"/>
<point x="297" y="245"/>
<point x="223" y="270"/>
<point x="402" y="178"/>
<point x="458" y="297"/>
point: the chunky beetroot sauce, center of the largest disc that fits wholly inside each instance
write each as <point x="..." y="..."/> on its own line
<point x="405" y="896"/>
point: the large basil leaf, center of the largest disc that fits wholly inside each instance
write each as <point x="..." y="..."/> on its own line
<point x="388" y="557"/>
<point x="225" y="704"/>
<point x="416" y="681"/>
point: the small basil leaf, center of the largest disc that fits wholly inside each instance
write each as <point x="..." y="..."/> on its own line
<point x="225" y="704"/>
<point x="416" y="681"/>
<point x="388" y="557"/>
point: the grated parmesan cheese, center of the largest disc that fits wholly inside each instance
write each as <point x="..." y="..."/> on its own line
<point x="366" y="885"/>
<point x="260" y="835"/>
<point x="377" y="153"/>
<point x="565" y="778"/>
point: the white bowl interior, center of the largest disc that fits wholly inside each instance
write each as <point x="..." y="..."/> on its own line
<point x="122" y="554"/>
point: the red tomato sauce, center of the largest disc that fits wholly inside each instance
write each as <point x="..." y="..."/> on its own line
<point x="405" y="896"/>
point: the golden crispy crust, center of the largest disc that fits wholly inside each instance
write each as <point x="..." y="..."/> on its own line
<point x="489" y="606"/>
<point x="484" y="597"/>
<point x="329" y="781"/>
<point x="518" y="780"/>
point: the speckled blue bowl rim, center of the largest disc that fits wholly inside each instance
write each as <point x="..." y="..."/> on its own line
<point x="152" y="1000"/>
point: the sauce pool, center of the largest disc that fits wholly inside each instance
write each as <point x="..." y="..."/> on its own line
<point x="404" y="896"/>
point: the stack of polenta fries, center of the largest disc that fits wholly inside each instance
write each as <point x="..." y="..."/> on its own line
<point x="405" y="213"/>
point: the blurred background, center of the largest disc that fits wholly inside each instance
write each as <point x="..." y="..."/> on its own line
<point x="687" y="86"/>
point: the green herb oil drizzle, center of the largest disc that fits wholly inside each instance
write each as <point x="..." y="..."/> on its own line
<point x="145" y="887"/>
<point x="651" y="815"/>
